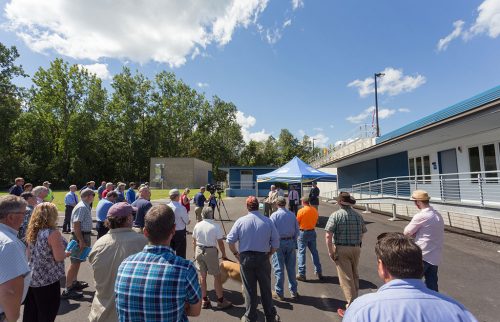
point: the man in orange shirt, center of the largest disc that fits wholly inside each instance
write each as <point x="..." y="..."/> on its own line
<point x="307" y="218"/>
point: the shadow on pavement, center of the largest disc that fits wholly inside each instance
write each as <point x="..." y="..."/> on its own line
<point x="323" y="304"/>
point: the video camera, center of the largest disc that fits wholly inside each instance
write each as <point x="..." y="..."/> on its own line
<point x="212" y="188"/>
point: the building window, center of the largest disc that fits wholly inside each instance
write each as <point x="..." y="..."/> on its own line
<point x="483" y="158"/>
<point x="420" y="169"/>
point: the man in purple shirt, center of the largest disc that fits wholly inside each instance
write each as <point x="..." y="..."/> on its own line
<point x="403" y="297"/>
<point x="427" y="228"/>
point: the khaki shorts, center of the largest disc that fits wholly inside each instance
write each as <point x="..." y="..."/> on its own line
<point x="207" y="261"/>
<point x="197" y="212"/>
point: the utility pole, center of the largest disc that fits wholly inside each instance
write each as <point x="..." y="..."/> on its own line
<point x="375" y="76"/>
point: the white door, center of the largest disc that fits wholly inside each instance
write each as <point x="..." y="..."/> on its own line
<point x="246" y="178"/>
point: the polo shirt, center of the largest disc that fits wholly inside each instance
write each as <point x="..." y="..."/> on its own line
<point x="100" y="190"/>
<point x="254" y="232"/>
<point x="307" y="217"/>
<point x="154" y="285"/>
<point x="130" y="195"/>
<point x="13" y="252"/>
<point x="199" y="200"/>
<point x="82" y="213"/>
<point x="16" y="190"/>
<point x="428" y="228"/>
<point x="49" y="197"/>
<point x="142" y="206"/>
<point x="107" y="254"/>
<point x="102" y="209"/>
<point x="285" y="222"/>
<point x="207" y="233"/>
<point x="181" y="215"/>
<point x="406" y="300"/>
<point x="347" y="226"/>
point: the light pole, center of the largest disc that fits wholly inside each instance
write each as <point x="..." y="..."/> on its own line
<point x="375" y="76"/>
<point x="313" y="139"/>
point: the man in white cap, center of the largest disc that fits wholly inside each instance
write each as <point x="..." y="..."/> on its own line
<point x="178" y="242"/>
<point x="427" y="228"/>
<point x="50" y="195"/>
<point x="108" y="253"/>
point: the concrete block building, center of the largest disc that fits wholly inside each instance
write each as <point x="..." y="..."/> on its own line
<point x="179" y="173"/>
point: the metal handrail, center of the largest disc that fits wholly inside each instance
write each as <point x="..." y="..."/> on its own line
<point x="478" y="188"/>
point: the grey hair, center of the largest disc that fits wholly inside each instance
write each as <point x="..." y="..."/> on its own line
<point x="10" y="204"/>
<point x="38" y="190"/>
<point x="281" y="201"/>
<point x="207" y="213"/>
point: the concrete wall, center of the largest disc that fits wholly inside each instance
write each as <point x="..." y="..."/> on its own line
<point x="180" y="172"/>
<point x="328" y="190"/>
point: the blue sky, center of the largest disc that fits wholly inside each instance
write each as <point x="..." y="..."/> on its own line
<point x="298" y="64"/>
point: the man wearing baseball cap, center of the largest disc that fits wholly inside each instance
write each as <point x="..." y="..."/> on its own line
<point x="427" y="228"/>
<point x="178" y="242"/>
<point x="50" y="196"/>
<point x="107" y="254"/>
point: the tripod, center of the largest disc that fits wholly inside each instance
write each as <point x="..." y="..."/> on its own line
<point x="218" y="205"/>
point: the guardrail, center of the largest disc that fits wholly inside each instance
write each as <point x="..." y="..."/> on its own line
<point x="476" y="188"/>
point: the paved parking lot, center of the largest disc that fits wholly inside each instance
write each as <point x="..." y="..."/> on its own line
<point x="470" y="273"/>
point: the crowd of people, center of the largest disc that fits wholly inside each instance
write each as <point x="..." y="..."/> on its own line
<point x="141" y="272"/>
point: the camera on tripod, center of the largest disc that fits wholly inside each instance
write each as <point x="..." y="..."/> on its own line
<point x="213" y="188"/>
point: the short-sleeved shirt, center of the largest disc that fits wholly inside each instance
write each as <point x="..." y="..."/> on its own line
<point x="285" y="222"/>
<point x="104" y="193"/>
<point x="207" y="233"/>
<point x="154" y="285"/>
<point x="254" y="232"/>
<point x="49" y="197"/>
<point x="71" y="199"/>
<point x="100" y="191"/>
<point x="102" y="209"/>
<point x="142" y="206"/>
<point x="130" y="195"/>
<point x="347" y="226"/>
<point x="82" y="213"/>
<point x="307" y="217"/>
<point x="314" y="196"/>
<point x="199" y="199"/>
<point x="16" y="190"/>
<point x="181" y="215"/>
<point x="106" y="255"/>
<point x="13" y="252"/>
<point x="45" y="269"/>
<point x="121" y="196"/>
<point x="428" y="228"/>
<point x="406" y="300"/>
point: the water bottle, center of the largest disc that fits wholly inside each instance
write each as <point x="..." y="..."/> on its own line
<point x="72" y="244"/>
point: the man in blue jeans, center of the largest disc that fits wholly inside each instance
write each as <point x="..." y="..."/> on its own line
<point x="307" y="217"/>
<point x="288" y="230"/>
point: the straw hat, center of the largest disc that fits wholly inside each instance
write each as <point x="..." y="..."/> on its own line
<point x="420" y="195"/>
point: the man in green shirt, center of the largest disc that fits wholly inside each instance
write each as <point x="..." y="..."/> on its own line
<point x="50" y="195"/>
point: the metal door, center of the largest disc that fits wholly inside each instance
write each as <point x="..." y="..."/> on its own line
<point x="450" y="186"/>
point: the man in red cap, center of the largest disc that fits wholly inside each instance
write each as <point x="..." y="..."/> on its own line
<point x="107" y="254"/>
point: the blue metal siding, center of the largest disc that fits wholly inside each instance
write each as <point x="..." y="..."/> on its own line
<point x="393" y="165"/>
<point x="464" y="106"/>
<point x="235" y="177"/>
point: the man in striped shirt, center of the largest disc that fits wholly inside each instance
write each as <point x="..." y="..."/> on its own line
<point x="155" y="284"/>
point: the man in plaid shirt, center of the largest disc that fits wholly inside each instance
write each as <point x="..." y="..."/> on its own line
<point x="344" y="233"/>
<point x="155" y="284"/>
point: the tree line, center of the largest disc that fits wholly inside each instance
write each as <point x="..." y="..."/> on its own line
<point x="69" y="128"/>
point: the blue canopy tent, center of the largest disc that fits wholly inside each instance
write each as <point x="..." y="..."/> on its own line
<point x="295" y="171"/>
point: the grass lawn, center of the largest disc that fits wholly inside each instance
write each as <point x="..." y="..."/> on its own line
<point x="155" y="195"/>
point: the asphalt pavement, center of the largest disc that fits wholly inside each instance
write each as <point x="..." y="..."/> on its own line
<point x="469" y="273"/>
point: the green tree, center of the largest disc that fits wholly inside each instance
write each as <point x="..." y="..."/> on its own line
<point x="10" y="110"/>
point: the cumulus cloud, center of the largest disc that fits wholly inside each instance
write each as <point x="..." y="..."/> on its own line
<point x="487" y="22"/>
<point x="392" y="83"/>
<point x="320" y="140"/>
<point x="100" y="70"/>
<point x="246" y="122"/>
<point x="296" y="4"/>
<point x="457" y="31"/>
<point x="383" y="113"/>
<point x="202" y="85"/>
<point x="139" y="30"/>
<point x="404" y="110"/>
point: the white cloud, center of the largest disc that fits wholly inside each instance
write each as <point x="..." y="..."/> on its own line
<point x="392" y="83"/>
<point x="383" y="113"/>
<point x="287" y="23"/>
<point x="100" y="70"/>
<point x="246" y="122"/>
<point x="320" y="140"/>
<point x="457" y="31"/>
<point x="404" y="110"/>
<point x="202" y="85"/>
<point x="487" y="22"/>
<point x="488" y="19"/>
<point x="296" y="4"/>
<point x="318" y="129"/>
<point x="139" y="30"/>
<point x="302" y="133"/>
